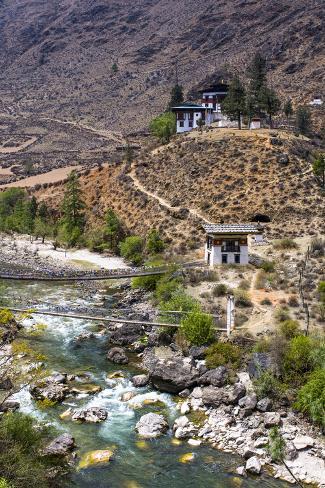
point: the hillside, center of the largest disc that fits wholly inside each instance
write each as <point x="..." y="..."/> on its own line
<point x="56" y="57"/>
<point x="214" y="176"/>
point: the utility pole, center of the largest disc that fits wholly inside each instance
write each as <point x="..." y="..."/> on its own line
<point x="230" y="314"/>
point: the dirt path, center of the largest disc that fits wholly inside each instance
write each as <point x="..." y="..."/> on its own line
<point x="161" y="200"/>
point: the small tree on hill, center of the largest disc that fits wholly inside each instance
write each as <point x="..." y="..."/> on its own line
<point x="132" y="249"/>
<point x="113" y="229"/>
<point x="73" y="219"/>
<point x="319" y="168"/>
<point x="303" y="120"/>
<point x="235" y="103"/>
<point x="256" y="73"/>
<point x="164" y="126"/>
<point x="287" y="109"/>
<point x="269" y="102"/>
<point x="155" y="244"/>
<point x="176" y="96"/>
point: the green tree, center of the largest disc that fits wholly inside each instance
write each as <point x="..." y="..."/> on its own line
<point x="269" y="102"/>
<point x="73" y="218"/>
<point x="164" y="126"/>
<point x="132" y="249"/>
<point x="311" y="397"/>
<point x="154" y="244"/>
<point x="198" y="328"/>
<point x="113" y="231"/>
<point x="319" y="168"/>
<point x="235" y="103"/>
<point x="303" y="120"/>
<point x="287" y="109"/>
<point x="256" y="74"/>
<point x="114" y="68"/>
<point x="176" y="96"/>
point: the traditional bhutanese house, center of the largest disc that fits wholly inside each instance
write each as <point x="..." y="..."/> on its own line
<point x="228" y="243"/>
<point x="255" y="123"/>
<point x="188" y="114"/>
<point x="211" y="98"/>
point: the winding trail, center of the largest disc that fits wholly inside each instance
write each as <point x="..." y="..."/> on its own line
<point x="162" y="201"/>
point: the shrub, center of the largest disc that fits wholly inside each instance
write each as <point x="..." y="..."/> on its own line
<point x="266" y="301"/>
<point x="165" y="288"/>
<point x="281" y="314"/>
<point x="132" y="249"/>
<point x="267" y="385"/>
<point x="311" y="397"/>
<point x="318" y="245"/>
<point x="179" y="301"/>
<point x="164" y="126"/>
<point x="293" y="301"/>
<point x="6" y="316"/>
<point x="223" y="353"/>
<point x="198" y="328"/>
<point x="285" y="244"/>
<point x="242" y="298"/>
<point x="244" y="285"/>
<point x="263" y="345"/>
<point x="268" y="266"/>
<point x="219" y="290"/>
<point x="155" y="244"/>
<point x="276" y="445"/>
<point x="298" y="358"/>
<point x="321" y="290"/>
<point x="289" y="328"/>
<point x="261" y="279"/>
<point x="5" y="484"/>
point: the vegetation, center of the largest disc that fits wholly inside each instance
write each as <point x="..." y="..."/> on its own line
<point x="198" y="328"/>
<point x="234" y="105"/>
<point x="73" y="219"/>
<point x="223" y="353"/>
<point x="303" y="120"/>
<point x="242" y="298"/>
<point x="178" y="301"/>
<point x="311" y="397"/>
<point x="319" y="169"/>
<point x="267" y="385"/>
<point x="219" y="290"/>
<point x="21" y="462"/>
<point x="164" y="126"/>
<point x="176" y="96"/>
<point x="286" y="243"/>
<point x="154" y="243"/>
<point x="132" y="249"/>
<point x="289" y="328"/>
<point x="287" y="109"/>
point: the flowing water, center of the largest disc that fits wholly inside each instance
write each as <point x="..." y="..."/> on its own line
<point x="136" y="464"/>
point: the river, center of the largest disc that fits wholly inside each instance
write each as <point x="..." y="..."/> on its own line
<point x="135" y="464"/>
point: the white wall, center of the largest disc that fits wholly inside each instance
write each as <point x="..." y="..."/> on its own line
<point x="216" y="255"/>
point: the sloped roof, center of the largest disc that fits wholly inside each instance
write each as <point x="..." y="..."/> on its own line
<point x="189" y="106"/>
<point x="232" y="228"/>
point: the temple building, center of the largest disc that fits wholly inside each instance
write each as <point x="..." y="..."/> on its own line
<point x="189" y="115"/>
<point x="229" y="243"/>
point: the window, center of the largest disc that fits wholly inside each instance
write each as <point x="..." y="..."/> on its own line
<point x="224" y="258"/>
<point x="237" y="258"/>
<point x="209" y="242"/>
<point x="181" y="123"/>
<point x="190" y="123"/>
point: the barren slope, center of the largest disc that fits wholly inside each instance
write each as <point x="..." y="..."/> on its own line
<point x="56" y="57"/>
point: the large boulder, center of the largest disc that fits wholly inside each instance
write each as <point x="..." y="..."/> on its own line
<point x="170" y="371"/>
<point x="91" y="415"/>
<point x="215" y="377"/>
<point x="9" y="406"/>
<point x="213" y="396"/>
<point x="126" y="334"/>
<point x="253" y="465"/>
<point x="235" y="393"/>
<point x="198" y="352"/>
<point x="248" y="402"/>
<point x="272" y="419"/>
<point x="56" y="392"/>
<point x="151" y="425"/>
<point x="264" y="405"/>
<point x="6" y="384"/>
<point x="117" y="355"/>
<point x="60" y="446"/>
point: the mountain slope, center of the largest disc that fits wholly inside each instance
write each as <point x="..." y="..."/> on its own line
<point x="56" y="57"/>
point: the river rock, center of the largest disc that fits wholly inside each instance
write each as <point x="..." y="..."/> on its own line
<point x="214" y="377"/>
<point x="253" y="465"/>
<point x="59" y="378"/>
<point x="302" y="441"/>
<point x="151" y="425"/>
<point x="271" y="419"/>
<point x="140" y="380"/>
<point x="6" y="384"/>
<point x="93" y="458"/>
<point x="183" y="428"/>
<point x="170" y="371"/>
<point x="117" y="355"/>
<point x="248" y="402"/>
<point x="126" y="334"/>
<point x="235" y="393"/>
<point x="55" y="392"/>
<point x="9" y="406"/>
<point x="241" y="471"/>
<point x="291" y="452"/>
<point x="91" y="414"/>
<point x="84" y="336"/>
<point x="198" y="352"/>
<point x="264" y="405"/>
<point x="213" y="396"/>
<point x="60" y="446"/>
<point x="128" y="395"/>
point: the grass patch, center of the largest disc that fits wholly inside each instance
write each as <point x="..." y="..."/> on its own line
<point x="285" y="244"/>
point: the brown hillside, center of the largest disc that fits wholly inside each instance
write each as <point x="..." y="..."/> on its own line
<point x="56" y="56"/>
<point x="220" y="175"/>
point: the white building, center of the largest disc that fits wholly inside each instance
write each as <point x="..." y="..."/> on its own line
<point x="189" y="114"/>
<point x="212" y="97"/>
<point x="316" y="101"/>
<point x="229" y="243"/>
<point x="255" y="123"/>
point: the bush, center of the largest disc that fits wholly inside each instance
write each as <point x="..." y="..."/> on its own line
<point x="223" y="353"/>
<point x="261" y="279"/>
<point x="281" y="314"/>
<point x="298" y="359"/>
<point x="132" y="249"/>
<point x="164" y="126"/>
<point x="165" y="288"/>
<point x="266" y="301"/>
<point x="268" y="266"/>
<point x="6" y="316"/>
<point x="311" y="397"/>
<point x="219" y="290"/>
<point x="289" y="328"/>
<point x="5" y="484"/>
<point x="198" y="328"/>
<point x="293" y="301"/>
<point x="244" y="285"/>
<point x="318" y="245"/>
<point x="285" y="244"/>
<point x="155" y="244"/>
<point x="263" y="345"/>
<point x="321" y="290"/>
<point x="179" y="301"/>
<point x="267" y="385"/>
<point x="148" y="283"/>
<point x="21" y="462"/>
<point x="242" y="298"/>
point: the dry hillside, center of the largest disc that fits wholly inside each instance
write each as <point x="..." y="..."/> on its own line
<point x="218" y="175"/>
<point x="56" y="56"/>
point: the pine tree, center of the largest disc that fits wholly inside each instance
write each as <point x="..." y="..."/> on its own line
<point x="113" y="229"/>
<point x="256" y="73"/>
<point x="287" y="109"/>
<point x="176" y="96"/>
<point x="269" y="102"/>
<point x="234" y="104"/>
<point x="319" y="168"/>
<point x="303" y="120"/>
<point x="73" y="218"/>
